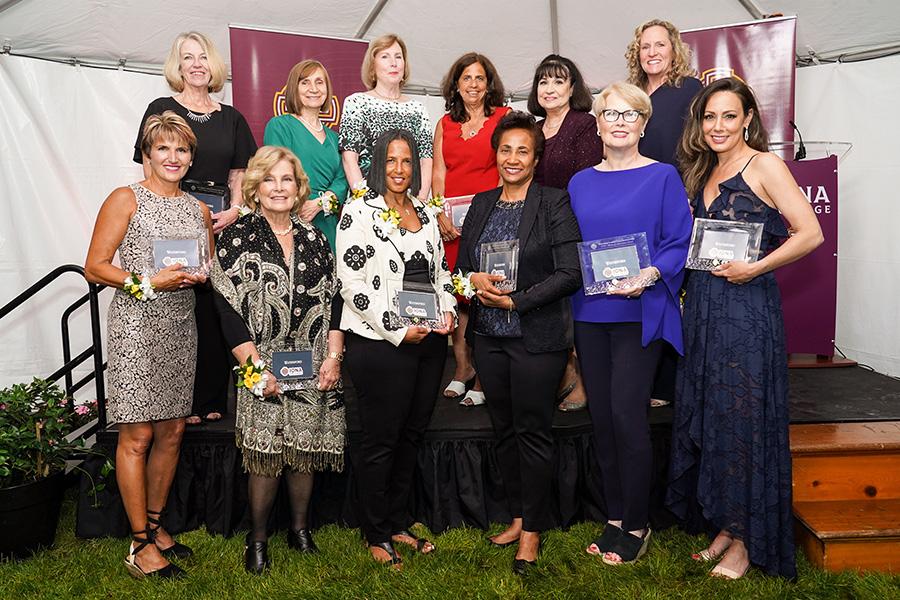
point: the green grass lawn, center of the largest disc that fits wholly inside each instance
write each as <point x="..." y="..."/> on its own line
<point x="464" y="566"/>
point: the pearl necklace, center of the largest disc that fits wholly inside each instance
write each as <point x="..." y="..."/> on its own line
<point x="312" y="127"/>
<point x="285" y="232"/>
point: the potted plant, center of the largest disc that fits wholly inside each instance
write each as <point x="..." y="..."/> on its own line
<point x="36" y="420"/>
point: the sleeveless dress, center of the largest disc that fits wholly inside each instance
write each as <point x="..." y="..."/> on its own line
<point x="730" y="446"/>
<point x="152" y="346"/>
<point x="471" y="164"/>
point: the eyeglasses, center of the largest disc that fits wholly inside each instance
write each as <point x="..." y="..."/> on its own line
<point x="611" y="115"/>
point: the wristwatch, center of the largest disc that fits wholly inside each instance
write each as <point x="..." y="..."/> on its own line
<point x="336" y="356"/>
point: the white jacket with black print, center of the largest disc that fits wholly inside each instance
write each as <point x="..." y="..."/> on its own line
<point x="370" y="268"/>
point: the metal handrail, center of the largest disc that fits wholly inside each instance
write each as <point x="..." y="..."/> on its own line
<point x="95" y="350"/>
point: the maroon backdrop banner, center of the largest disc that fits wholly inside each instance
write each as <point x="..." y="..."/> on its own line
<point x="760" y="53"/>
<point x="809" y="286"/>
<point x="261" y="61"/>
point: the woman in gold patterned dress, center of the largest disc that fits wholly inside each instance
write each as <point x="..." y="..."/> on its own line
<point x="274" y="277"/>
<point x="152" y="336"/>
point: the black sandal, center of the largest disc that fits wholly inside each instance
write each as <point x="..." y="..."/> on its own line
<point x="420" y="542"/>
<point x="169" y="571"/>
<point x="629" y="548"/>
<point x="607" y="540"/>
<point x="176" y="550"/>
<point x="395" y="560"/>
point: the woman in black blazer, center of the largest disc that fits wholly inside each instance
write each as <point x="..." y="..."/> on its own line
<point x="520" y="338"/>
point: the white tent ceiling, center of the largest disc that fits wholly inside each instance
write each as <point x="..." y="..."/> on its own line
<point x="515" y="35"/>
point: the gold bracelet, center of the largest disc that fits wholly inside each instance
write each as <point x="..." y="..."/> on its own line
<point x="336" y="356"/>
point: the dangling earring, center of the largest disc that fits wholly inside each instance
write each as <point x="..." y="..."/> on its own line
<point x="642" y="134"/>
<point x="746" y="134"/>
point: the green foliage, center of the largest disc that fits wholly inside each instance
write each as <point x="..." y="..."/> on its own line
<point x="35" y="419"/>
<point x="463" y="567"/>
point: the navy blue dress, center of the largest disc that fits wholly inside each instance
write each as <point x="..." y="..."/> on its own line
<point x="671" y="109"/>
<point x="730" y="446"/>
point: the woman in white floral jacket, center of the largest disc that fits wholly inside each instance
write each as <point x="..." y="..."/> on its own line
<point x="388" y="242"/>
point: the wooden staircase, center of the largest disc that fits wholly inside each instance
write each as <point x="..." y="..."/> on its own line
<point x="847" y="494"/>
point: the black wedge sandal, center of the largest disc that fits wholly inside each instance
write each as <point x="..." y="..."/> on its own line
<point x="176" y="550"/>
<point x="419" y="542"/>
<point x="629" y="548"/>
<point x="170" y="571"/>
<point x="607" y="540"/>
<point x="395" y="561"/>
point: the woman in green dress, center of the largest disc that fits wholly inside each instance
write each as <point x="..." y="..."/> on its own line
<point x="307" y="92"/>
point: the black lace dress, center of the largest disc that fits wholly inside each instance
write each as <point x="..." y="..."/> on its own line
<point x="730" y="446"/>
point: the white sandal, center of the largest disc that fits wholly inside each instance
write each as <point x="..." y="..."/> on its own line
<point x="472" y="398"/>
<point x="456" y="388"/>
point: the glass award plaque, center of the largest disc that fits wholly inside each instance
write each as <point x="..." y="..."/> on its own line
<point x="456" y="209"/>
<point x="292" y="368"/>
<point x="614" y="263"/>
<point x="216" y="197"/>
<point x="417" y="304"/>
<point x="715" y="242"/>
<point x="501" y="258"/>
<point x="191" y="253"/>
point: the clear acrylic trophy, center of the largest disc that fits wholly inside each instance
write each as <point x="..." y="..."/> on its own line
<point x="501" y="258"/>
<point x="417" y="305"/>
<point x="715" y="242"/>
<point x="192" y="253"/>
<point x="614" y="263"/>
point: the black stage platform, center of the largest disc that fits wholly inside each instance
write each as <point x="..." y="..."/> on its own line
<point x="459" y="481"/>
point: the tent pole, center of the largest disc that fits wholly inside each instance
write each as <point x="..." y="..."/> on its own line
<point x="554" y="27"/>
<point x="751" y="7"/>
<point x="4" y="4"/>
<point x="370" y="18"/>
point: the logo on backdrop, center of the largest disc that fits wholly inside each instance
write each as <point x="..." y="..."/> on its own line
<point x="329" y="115"/>
<point x="710" y="75"/>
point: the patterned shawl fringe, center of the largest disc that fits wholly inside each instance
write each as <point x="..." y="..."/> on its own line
<point x="270" y="464"/>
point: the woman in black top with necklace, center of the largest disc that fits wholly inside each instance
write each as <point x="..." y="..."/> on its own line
<point x="225" y="144"/>
<point x="521" y="338"/>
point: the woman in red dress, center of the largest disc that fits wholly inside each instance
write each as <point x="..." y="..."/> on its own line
<point x="465" y="164"/>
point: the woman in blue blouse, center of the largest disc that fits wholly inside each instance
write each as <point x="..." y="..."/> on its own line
<point x="619" y="336"/>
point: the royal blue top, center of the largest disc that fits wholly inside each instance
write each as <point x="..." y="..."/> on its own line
<point x="649" y="199"/>
<point x="671" y="108"/>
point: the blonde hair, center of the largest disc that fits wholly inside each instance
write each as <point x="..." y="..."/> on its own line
<point x="681" y="56"/>
<point x="218" y="73"/>
<point x="375" y="46"/>
<point x="634" y="96"/>
<point x="300" y="71"/>
<point x="262" y="164"/>
<point x="167" y="125"/>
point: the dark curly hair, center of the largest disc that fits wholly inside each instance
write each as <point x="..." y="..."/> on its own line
<point x="517" y="119"/>
<point x="555" y="65"/>
<point x="453" y="102"/>
<point x="377" y="178"/>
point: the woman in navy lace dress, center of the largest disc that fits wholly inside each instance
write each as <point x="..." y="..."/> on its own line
<point x="730" y="447"/>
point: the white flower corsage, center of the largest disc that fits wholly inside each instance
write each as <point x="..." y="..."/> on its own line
<point x="436" y="204"/>
<point x="243" y="210"/>
<point x="329" y="202"/>
<point x="462" y="285"/>
<point x="139" y="287"/>
<point x="388" y="220"/>
<point x="359" y="189"/>
<point x="252" y="375"/>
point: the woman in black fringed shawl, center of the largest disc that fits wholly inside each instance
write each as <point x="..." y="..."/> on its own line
<point x="274" y="275"/>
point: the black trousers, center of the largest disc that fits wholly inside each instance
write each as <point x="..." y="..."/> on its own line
<point x="213" y="357"/>
<point x="520" y="388"/>
<point x="396" y="388"/>
<point x="618" y="377"/>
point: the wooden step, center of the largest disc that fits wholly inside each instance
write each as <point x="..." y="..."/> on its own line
<point x="845" y="438"/>
<point x="846" y="461"/>
<point x="848" y="534"/>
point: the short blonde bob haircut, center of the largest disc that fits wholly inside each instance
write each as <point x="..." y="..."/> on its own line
<point x="168" y="125"/>
<point x="262" y="164"/>
<point x="634" y="96"/>
<point x="377" y="45"/>
<point x="302" y="70"/>
<point x="217" y="71"/>
<point x="681" y="56"/>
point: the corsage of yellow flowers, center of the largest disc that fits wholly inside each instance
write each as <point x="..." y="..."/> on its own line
<point x="329" y="202"/>
<point x="388" y="221"/>
<point x="436" y="204"/>
<point x="462" y="285"/>
<point x="359" y="189"/>
<point x="139" y="286"/>
<point x="251" y="375"/>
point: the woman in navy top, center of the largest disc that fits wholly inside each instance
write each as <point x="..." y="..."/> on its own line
<point x="619" y="335"/>
<point x="660" y="64"/>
